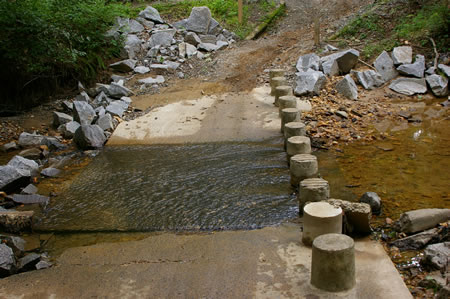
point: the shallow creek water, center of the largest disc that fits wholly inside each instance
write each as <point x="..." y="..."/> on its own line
<point x="127" y="193"/>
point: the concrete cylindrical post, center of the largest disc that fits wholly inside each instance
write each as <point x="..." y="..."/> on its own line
<point x="312" y="190"/>
<point x="289" y="115"/>
<point x="333" y="263"/>
<point x="296" y="145"/>
<point x="275" y="82"/>
<point x="320" y="218"/>
<point x="287" y="101"/>
<point x="302" y="166"/>
<point x="281" y="91"/>
<point x="294" y="128"/>
<point x="276" y="73"/>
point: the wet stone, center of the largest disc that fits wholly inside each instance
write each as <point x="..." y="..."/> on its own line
<point x="30" y="189"/>
<point x="50" y="172"/>
<point x="373" y="200"/>
<point x="30" y="199"/>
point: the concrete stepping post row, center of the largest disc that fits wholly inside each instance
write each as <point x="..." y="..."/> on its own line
<point x="333" y="257"/>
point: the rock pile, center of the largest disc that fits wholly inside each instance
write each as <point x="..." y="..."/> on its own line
<point x="313" y="71"/>
<point x="14" y="259"/>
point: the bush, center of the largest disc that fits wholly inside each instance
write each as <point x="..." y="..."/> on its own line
<point x="55" y="40"/>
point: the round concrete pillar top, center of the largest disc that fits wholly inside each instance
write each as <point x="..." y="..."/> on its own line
<point x="321" y="210"/>
<point x="295" y="125"/>
<point x="333" y="242"/>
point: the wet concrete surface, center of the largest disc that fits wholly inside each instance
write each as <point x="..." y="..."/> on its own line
<point x="267" y="263"/>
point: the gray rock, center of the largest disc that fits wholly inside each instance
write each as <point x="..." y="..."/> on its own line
<point x="437" y="255"/>
<point x="153" y="52"/>
<point x="308" y="61"/>
<point x="28" y="262"/>
<point x="438" y="85"/>
<point x="191" y="50"/>
<point x="417" y="241"/>
<point x="24" y="164"/>
<point x="347" y="87"/>
<point x="30" y="189"/>
<point x="182" y="49"/>
<point x="10" y="146"/>
<point x="126" y="25"/>
<point x="431" y="71"/>
<point x="207" y="47"/>
<point x="16" y="221"/>
<point x="30" y="199"/>
<point x="369" y="79"/>
<point x="402" y="55"/>
<point x="221" y="45"/>
<point x="214" y="27"/>
<point x="117" y="91"/>
<point x="309" y="82"/>
<point x="142" y="70"/>
<point x="89" y="137"/>
<point x="180" y="25"/>
<point x="159" y="68"/>
<point x="208" y="38"/>
<point x="100" y="111"/>
<point x="50" y="172"/>
<point x="330" y="67"/>
<point x="60" y="119"/>
<point x="126" y="100"/>
<point x="17" y="244"/>
<point x="199" y="20"/>
<point x="133" y="46"/>
<point x="331" y="48"/>
<point x="409" y="86"/>
<point x="105" y="122"/>
<point x="26" y="139"/>
<point x="172" y="65"/>
<point x="150" y="80"/>
<point x="200" y="55"/>
<point x="83" y="113"/>
<point x="342" y="114"/>
<point x="101" y="100"/>
<point x="385" y="66"/>
<point x="117" y="108"/>
<point x="43" y="265"/>
<point x="53" y="143"/>
<point x="31" y="153"/>
<point x="192" y="38"/>
<point x="445" y="69"/>
<point x="7" y="261"/>
<point x="346" y="60"/>
<point x="373" y="200"/>
<point x="68" y="130"/>
<point x="357" y="215"/>
<point x="67" y="105"/>
<point x="124" y="66"/>
<point x="151" y="14"/>
<point x="117" y="78"/>
<point x="415" y="69"/>
<point x="162" y="37"/>
<point x="83" y="97"/>
<point x="419" y="220"/>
